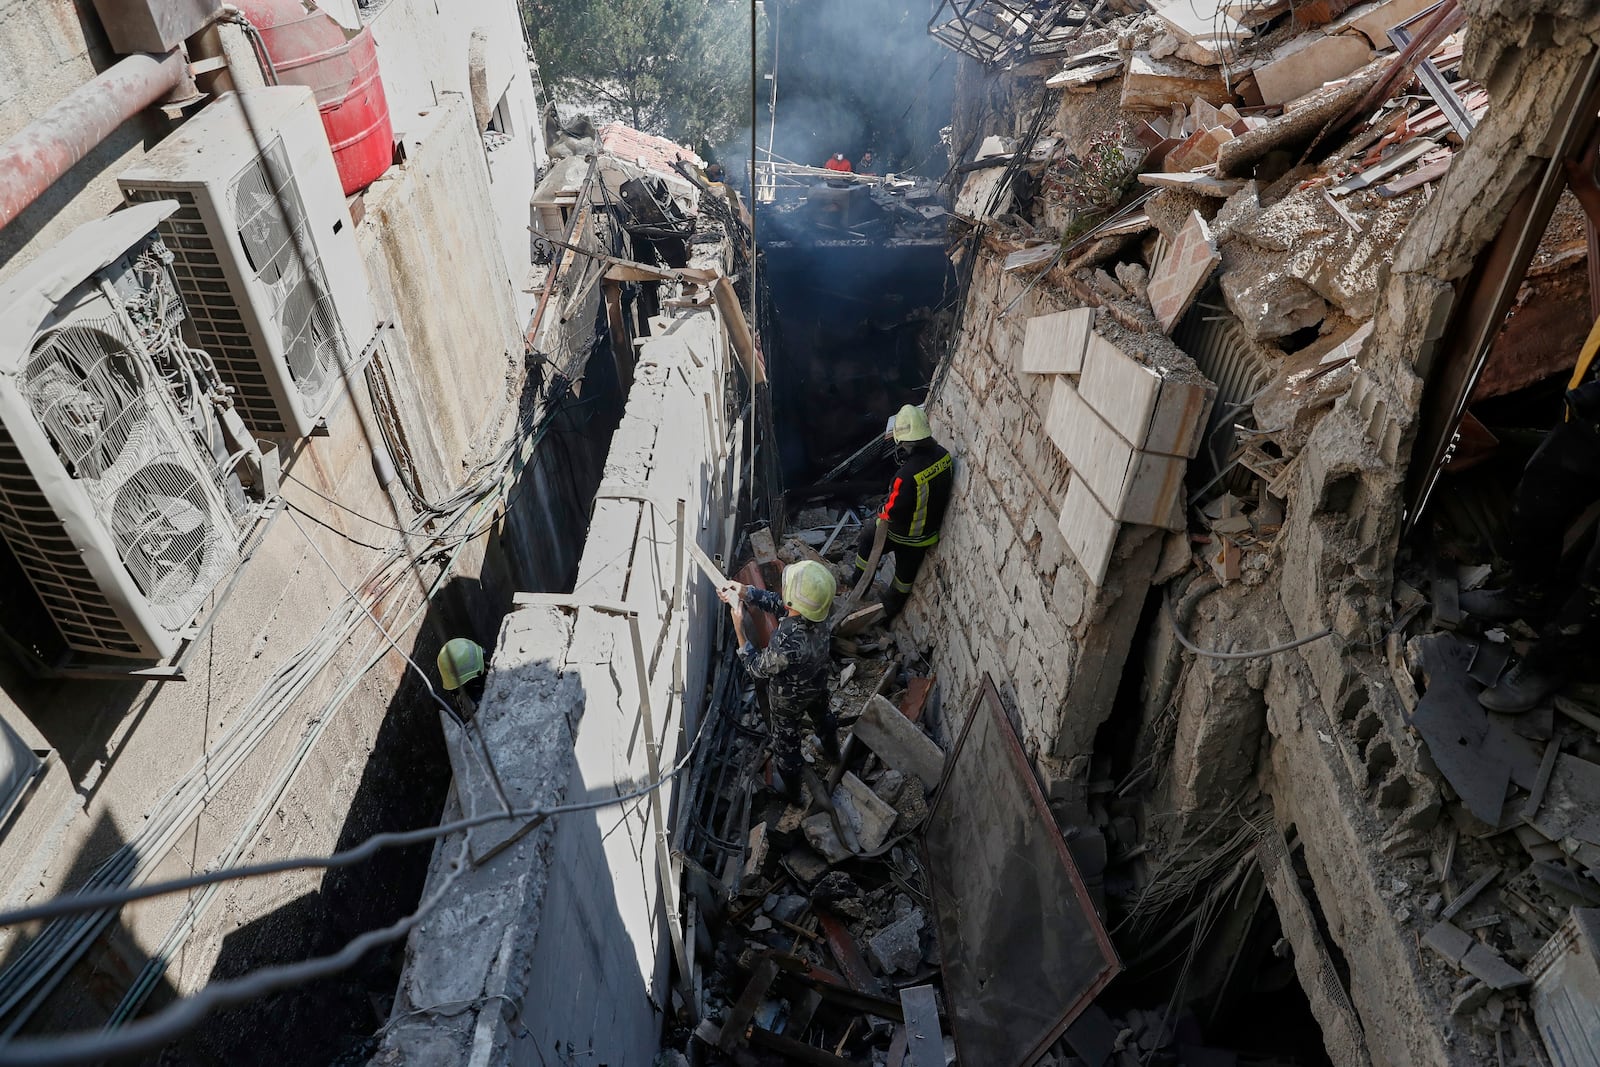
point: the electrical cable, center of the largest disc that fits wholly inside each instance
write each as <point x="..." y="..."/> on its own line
<point x="1183" y="639"/>
<point x="167" y="1025"/>
<point x="82" y="903"/>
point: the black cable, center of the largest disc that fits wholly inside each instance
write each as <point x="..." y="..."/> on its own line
<point x="166" y="1026"/>
<point x="82" y="903"/>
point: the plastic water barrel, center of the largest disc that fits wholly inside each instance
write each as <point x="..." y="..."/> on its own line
<point x="340" y="66"/>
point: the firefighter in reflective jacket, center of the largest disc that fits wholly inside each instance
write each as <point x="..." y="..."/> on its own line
<point x="463" y="670"/>
<point x="917" y="500"/>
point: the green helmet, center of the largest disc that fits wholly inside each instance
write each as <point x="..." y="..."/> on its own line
<point x="808" y="588"/>
<point x="910" y="425"/>
<point x="460" y="661"/>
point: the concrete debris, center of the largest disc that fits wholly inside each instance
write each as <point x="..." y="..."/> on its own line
<point x="898" y="946"/>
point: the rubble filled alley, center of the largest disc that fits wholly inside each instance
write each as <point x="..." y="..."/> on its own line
<point x="1071" y="542"/>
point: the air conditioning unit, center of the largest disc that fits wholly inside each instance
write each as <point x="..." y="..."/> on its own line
<point x="265" y="252"/>
<point x="120" y="489"/>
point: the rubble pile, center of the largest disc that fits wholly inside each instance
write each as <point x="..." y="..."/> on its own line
<point x="1234" y="177"/>
<point x="816" y="930"/>
<point x="1499" y="888"/>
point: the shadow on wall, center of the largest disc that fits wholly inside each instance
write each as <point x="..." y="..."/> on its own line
<point x="402" y="787"/>
<point x="109" y="967"/>
<point x="548" y="514"/>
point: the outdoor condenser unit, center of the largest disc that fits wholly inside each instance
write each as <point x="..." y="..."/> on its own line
<point x="265" y="252"/>
<point x="120" y="489"/>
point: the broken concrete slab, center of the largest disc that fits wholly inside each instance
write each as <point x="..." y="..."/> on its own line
<point x="869" y="816"/>
<point x="1133" y="486"/>
<point x="1486" y="964"/>
<point x="1308" y="62"/>
<point x="1151" y="410"/>
<point x="1207" y="33"/>
<point x="1179" y="276"/>
<point x="1204" y="184"/>
<point x="1154" y="84"/>
<point x="1055" y="343"/>
<point x="1270" y="303"/>
<point x="980" y="187"/>
<point x="898" y="741"/>
<point x="1571" y="808"/>
<point x="1373" y="21"/>
<point x="1478" y="754"/>
<point x="1449" y="941"/>
<point x="1089" y="530"/>
<point x="822" y="836"/>
<point x="898" y="946"/>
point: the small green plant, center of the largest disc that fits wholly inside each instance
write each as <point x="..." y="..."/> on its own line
<point x="1091" y="184"/>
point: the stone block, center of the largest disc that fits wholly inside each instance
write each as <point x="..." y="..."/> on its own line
<point x="1090" y="532"/>
<point x="1307" y="62"/>
<point x="1176" y="281"/>
<point x="1372" y="21"/>
<point x="1150" y="410"/>
<point x="1156" y="84"/>
<point x="1209" y="34"/>
<point x="1054" y="343"/>
<point x="1449" y="941"/>
<point x="1132" y="485"/>
<point x="898" y="946"/>
<point x="869" y="816"/>
<point x="899" y="742"/>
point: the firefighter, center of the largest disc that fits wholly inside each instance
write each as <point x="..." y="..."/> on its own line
<point x="795" y="662"/>
<point x="1562" y="479"/>
<point x="915" y="507"/>
<point x="838" y="162"/>
<point x="463" y="671"/>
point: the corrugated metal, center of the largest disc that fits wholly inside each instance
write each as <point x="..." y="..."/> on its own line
<point x="1566" y="991"/>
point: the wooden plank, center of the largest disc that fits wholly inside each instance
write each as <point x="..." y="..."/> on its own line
<point x="924" y="1040"/>
<point x="1547" y="766"/>
<point x="749" y="1002"/>
<point x="915" y="697"/>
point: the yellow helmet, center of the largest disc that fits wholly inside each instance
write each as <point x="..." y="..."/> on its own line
<point x="460" y="661"/>
<point x="911" y="424"/>
<point x="808" y="588"/>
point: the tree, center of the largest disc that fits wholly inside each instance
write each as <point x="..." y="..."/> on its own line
<point x="678" y="68"/>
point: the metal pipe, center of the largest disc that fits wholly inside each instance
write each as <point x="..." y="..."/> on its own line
<point x="52" y="144"/>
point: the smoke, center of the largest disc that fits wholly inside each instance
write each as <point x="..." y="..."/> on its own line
<point x="852" y="76"/>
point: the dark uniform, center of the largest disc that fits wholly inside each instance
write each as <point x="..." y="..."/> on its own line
<point x="1561" y="480"/>
<point x="795" y="667"/>
<point x="918" y="497"/>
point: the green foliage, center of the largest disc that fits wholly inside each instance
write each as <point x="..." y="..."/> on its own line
<point x="678" y="68"/>
<point x="1096" y="182"/>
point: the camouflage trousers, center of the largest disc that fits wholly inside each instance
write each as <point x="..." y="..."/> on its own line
<point x="787" y="725"/>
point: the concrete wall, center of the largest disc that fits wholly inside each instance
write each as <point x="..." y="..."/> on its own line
<point x="559" y="942"/>
<point x="434" y="245"/>
<point x="477" y="50"/>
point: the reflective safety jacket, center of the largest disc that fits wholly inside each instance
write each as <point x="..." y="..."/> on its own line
<point x="919" y="495"/>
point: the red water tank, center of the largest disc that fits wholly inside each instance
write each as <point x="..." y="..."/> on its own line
<point x="307" y="47"/>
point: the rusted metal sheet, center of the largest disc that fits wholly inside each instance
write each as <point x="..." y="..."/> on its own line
<point x="1023" y="951"/>
<point x="1480" y="308"/>
<point x="844" y="950"/>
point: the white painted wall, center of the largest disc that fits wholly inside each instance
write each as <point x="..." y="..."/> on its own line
<point x="427" y="49"/>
